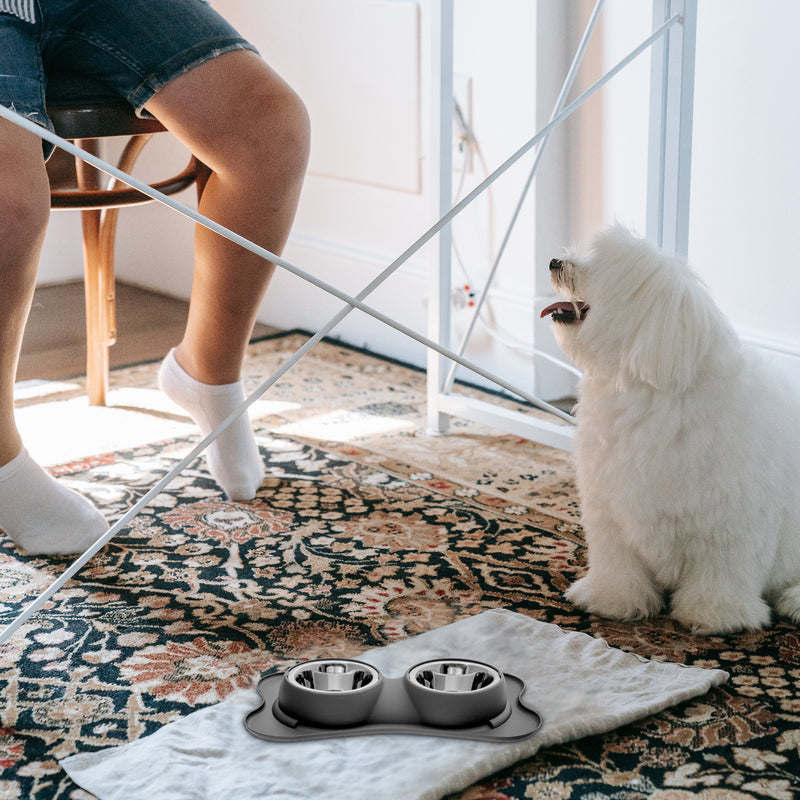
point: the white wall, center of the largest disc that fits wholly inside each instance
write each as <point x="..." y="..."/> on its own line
<point x="746" y="170"/>
<point x="62" y="254"/>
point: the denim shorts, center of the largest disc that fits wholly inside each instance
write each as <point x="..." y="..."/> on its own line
<point x="78" y="51"/>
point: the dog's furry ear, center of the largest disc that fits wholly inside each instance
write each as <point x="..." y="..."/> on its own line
<point x="674" y="332"/>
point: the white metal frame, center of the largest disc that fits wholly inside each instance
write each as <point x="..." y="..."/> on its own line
<point x="670" y="147"/>
<point x="672" y="45"/>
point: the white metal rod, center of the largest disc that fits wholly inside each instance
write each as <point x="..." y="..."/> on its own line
<point x="78" y="564"/>
<point x="559" y="105"/>
<point x="670" y="147"/>
<point x="441" y="104"/>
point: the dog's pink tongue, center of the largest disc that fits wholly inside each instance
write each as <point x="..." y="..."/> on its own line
<point x="564" y="306"/>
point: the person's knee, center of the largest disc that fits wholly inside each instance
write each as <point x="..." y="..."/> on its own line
<point x="239" y="117"/>
<point x="281" y="131"/>
<point x="299" y="133"/>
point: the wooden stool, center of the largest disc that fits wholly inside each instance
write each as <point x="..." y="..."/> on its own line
<point x="99" y="207"/>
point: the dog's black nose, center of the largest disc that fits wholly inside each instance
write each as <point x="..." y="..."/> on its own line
<point x="555" y="264"/>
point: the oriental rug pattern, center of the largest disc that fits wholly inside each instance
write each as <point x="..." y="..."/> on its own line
<point x="364" y="532"/>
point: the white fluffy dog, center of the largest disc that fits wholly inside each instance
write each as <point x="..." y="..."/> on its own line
<point x="687" y="446"/>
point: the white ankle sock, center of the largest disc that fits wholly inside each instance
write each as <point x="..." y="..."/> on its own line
<point x="233" y="458"/>
<point x="41" y="515"/>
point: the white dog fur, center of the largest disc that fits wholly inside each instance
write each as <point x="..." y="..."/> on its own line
<point x="687" y="446"/>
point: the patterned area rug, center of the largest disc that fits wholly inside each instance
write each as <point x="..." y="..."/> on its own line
<point x="365" y="531"/>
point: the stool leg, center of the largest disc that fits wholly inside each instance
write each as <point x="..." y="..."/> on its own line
<point x="96" y="348"/>
<point x="99" y="232"/>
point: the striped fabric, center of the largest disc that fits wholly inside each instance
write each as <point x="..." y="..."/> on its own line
<point x="21" y="8"/>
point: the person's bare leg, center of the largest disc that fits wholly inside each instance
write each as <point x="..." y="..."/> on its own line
<point x="37" y="512"/>
<point x="24" y="209"/>
<point x="242" y="120"/>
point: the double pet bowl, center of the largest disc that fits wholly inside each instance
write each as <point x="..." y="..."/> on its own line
<point x="341" y="697"/>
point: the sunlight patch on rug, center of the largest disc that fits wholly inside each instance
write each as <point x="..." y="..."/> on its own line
<point x="72" y="429"/>
<point x="38" y="389"/>
<point x="344" y="425"/>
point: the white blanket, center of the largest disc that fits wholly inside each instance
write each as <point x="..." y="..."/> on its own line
<point x="579" y="685"/>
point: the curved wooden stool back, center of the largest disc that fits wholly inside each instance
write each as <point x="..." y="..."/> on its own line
<point x="99" y="205"/>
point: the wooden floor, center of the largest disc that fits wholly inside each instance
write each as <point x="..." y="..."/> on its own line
<point x="54" y="347"/>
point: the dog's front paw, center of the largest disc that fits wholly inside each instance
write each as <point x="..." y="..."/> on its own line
<point x="706" y="618"/>
<point x="614" y="599"/>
